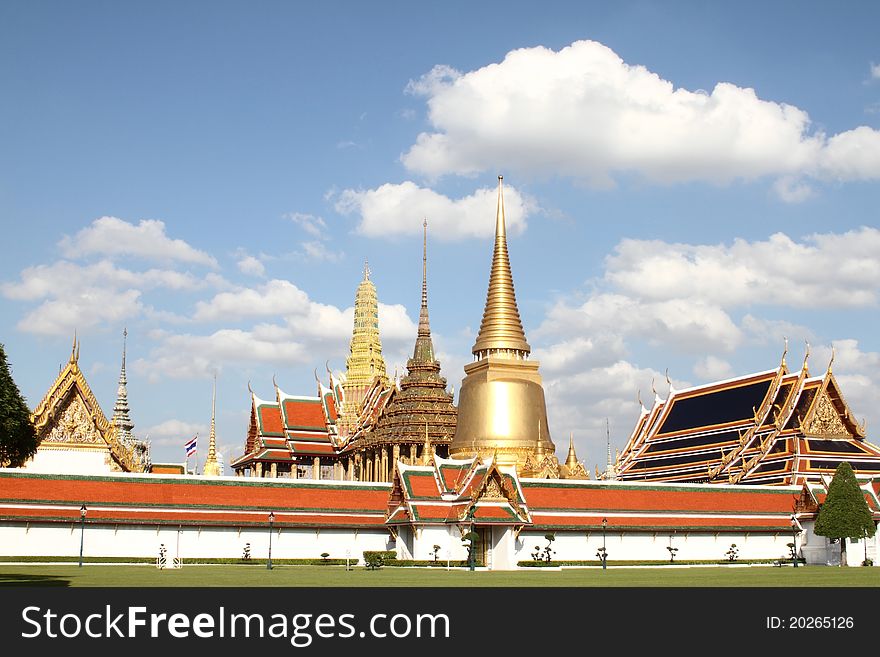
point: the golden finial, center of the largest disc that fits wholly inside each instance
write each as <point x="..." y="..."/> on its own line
<point x="639" y="398"/>
<point x="250" y="390"/>
<point x="501" y="328"/>
<point x="74" y="352"/>
<point x="831" y="362"/>
<point x="784" y="351"/>
<point x="653" y="389"/>
<point x="806" y="355"/>
<point x="366" y="269"/>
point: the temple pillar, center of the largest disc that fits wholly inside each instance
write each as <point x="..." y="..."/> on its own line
<point x="395" y="454"/>
<point x="376" y="469"/>
<point x="273" y="470"/>
<point x="293" y="470"/>
<point x="384" y="461"/>
<point x="350" y="464"/>
<point x="316" y="468"/>
<point x="412" y="454"/>
<point x="259" y="471"/>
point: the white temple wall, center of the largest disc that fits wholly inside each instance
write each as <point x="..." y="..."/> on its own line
<point x="106" y="540"/>
<point x="448" y="537"/>
<point x="100" y="540"/>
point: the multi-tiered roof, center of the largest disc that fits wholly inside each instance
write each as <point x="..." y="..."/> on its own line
<point x="772" y="427"/>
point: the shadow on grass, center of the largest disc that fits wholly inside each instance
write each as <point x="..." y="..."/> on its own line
<point x="32" y="579"/>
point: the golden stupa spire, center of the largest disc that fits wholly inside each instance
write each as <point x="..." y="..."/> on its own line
<point x="572" y="461"/>
<point x="424" y="324"/>
<point x="501" y="330"/>
<point x="212" y="467"/>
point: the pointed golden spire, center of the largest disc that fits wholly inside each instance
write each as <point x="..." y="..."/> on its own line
<point x="501" y="328"/>
<point x="831" y="362"/>
<point x="212" y="467"/>
<point x="74" y="352"/>
<point x="572" y="460"/>
<point x="784" y="351"/>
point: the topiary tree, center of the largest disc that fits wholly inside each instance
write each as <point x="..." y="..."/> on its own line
<point x="18" y="438"/>
<point x="845" y="513"/>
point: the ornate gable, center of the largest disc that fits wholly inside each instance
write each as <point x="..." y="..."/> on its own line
<point x="69" y="416"/>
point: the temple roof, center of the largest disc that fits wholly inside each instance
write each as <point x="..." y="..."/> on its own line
<point x="70" y="417"/>
<point x="484" y="492"/>
<point x="776" y="427"/>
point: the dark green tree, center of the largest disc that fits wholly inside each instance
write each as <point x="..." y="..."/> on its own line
<point x="845" y="513"/>
<point x="18" y="438"/>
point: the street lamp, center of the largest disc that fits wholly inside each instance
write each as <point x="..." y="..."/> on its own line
<point x="271" y="523"/>
<point x="82" y="531"/>
<point x="604" y="551"/>
<point x="794" y="533"/>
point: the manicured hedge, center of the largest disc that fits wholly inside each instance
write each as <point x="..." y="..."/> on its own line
<point x="647" y="562"/>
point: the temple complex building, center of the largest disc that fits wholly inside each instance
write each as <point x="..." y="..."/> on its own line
<point x="74" y="434"/>
<point x="774" y="427"/>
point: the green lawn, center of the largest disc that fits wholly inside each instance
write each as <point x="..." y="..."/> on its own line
<point x="286" y="575"/>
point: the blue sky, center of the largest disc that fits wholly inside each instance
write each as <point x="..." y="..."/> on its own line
<point x="686" y="184"/>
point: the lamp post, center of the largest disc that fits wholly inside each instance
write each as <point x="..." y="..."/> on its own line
<point x="794" y="533"/>
<point x="82" y="531"/>
<point x="865" y="562"/>
<point x="271" y="524"/>
<point x="604" y="552"/>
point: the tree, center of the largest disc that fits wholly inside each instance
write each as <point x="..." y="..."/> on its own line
<point x="18" y="438"/>
<point x="845" y="513"/>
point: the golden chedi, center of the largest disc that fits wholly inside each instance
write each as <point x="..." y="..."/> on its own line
<point x="501" y="408"/>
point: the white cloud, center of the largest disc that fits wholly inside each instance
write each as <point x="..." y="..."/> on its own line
<point x="315" y="250"/>
<point x="79" y="296"/>
<point x="277" y="297"/>
<point x="711" y="368"/>
<point x="583" y="112"/>
<point x="64" y="278"/>
<point x="87" y="308"/>
<point x="251" y="266"/>
<point x="112" y="237"/>
<point x="792" y="190"/>
<point x="310" y="223"/>
<point x="875" y="71"/>
<point x="689" y="326"/>
<point x="398" y="209"/>
<point x="822" y="270"/>
<point x="173" y="433"/>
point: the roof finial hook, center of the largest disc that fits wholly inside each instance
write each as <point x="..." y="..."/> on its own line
<point x="831" y="362"/>
<point x="806" y="354"/>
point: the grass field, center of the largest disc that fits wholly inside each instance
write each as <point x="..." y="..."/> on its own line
<point x="337" y="576"/>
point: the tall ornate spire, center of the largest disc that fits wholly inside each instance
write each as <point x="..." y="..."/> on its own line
<point x="421" y="411"/>
<point x="501" y="330"/>
<point x="424" y="348"/>
<point x="121" y="413"/>
<point x="365" y="362"/>
<point x="212" y="466"/>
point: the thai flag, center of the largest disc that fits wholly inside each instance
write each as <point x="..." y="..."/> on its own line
<point x="191" y="446"/>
